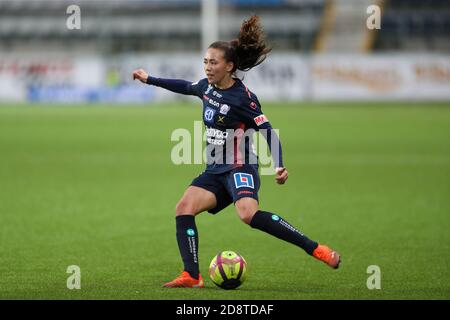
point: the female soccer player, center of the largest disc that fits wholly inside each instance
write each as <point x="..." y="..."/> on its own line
<point x="230" y="111"/>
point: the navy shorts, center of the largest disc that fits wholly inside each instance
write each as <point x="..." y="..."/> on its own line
<point x="230" y="186"/>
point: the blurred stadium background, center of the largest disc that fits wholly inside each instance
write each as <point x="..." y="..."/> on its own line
<point x="322" y="49"/>
<point x="364" y="119"/>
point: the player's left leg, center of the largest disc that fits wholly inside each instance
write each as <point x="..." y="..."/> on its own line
<point x="248" y="211"/>
<point x="273" y="224"/>
<point x="243" y="184"/>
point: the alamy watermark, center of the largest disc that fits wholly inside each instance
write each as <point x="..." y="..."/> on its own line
<point x="74" y="280"/>
<point x="374" y="20"/>
<point x="225" y="147"/>
<point x="374" y="280"/>
<point x="73" y="22"/>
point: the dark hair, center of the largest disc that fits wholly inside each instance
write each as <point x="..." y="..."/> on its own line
<point x="249" y="49"/>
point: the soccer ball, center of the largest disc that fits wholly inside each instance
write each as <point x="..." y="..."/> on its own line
<point x="228" y="270"/>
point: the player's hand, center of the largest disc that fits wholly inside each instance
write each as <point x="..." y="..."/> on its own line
<point x="281" y="175"/>
<point x="141" y="75"/>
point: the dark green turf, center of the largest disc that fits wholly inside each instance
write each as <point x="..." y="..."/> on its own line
<point x="94" y="186"/>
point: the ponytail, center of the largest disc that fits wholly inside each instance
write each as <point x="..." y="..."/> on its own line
<point x="249" y="49"/>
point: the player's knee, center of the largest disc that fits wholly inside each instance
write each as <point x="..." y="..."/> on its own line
<point x="246" y="218"/>
<point x="246" y="211"/>
<point x="185" y="207"/>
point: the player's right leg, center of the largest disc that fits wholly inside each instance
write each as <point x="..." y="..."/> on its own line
<point x="245" y="198"/>
<point x="194" y="201"/>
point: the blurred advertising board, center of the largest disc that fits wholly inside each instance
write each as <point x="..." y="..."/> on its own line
<point x="380" y="77"/>
<point x="77" y="78"/>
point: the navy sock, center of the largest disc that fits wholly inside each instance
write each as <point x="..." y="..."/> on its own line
<point x="280" y="228"/>
<point x="187" y="239"/>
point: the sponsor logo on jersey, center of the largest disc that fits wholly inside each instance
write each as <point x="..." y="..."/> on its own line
<point x="243" y="180"/>
<point x="215" y="136"/>
<point x="211" y="101"/>
<point x="259" y="120"/>
<point x="209" y="89"/>
<point x="224" y="109"/>
<point x="209" y="114"/>
<point x="253" y="105"/>
<point x="216" y="133"/>
<point x="220" y="119"/>
<point x="216" y="94"/>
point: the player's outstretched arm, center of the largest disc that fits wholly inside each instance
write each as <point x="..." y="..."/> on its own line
<point x="174" y="85"/>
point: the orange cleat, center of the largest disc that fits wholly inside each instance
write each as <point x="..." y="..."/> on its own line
<point x="327" y="255"/>
<point x="184" y="280"/>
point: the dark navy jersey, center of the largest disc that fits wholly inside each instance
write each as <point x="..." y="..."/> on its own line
<point x="230" y="116"/>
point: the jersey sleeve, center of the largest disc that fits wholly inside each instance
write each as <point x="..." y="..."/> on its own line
<point x="251" y="113"/>
<point x="199" y="87"/>
<point x="254" y="118"/>
<point x="179" y="86"/>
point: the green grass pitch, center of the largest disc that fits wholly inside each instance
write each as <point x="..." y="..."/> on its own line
<point x="94" y="186"/>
